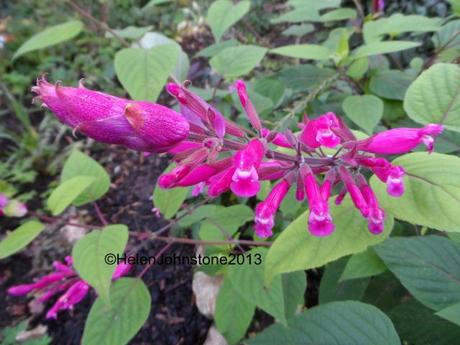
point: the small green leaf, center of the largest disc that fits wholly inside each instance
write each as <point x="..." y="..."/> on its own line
<point x="236" y="61"/>
<point x="434" y="97"/>
<point x="362" y="265"/>
<point x="50" y="36"/>
<point x="216" y="48"/>
<point x="391" y="84"/>
<point x="366" y="111"/>
<point x="338" y="14"/>
<point x="296" y="249"/>
<point x="79" y="164"/>
<point x="89" y="256"/>
<point x="304" y="77"/>
<point x="377" y="48"/>
<point x="17" y="239"/>
<point x="427" y="266"/>
<point x="67" y="192"/>
<point x="451" y="313"/>
<point x="336" y="323"/>
<point x="117" y="323"/>
<point x="144" y="72"/>
<point x="222" y="14"/>
<point x="304" y="51"/>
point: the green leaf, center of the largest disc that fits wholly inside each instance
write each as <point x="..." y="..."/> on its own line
<point x="131" y="32"/>
<point x="338" y="14"/>
<point x="79" y="164"/>
<point x="144" y="72"/>
<point x="362" y="265"/>
<point x="233" y="313"/>
<point x="50" y="36"/>
<point x="391" y="84"/>
<point x="302" y="14"/>
<point x="432" y="189"/>
<point x="298" y="30"/>
<point x="67" y="192"/>
<point x="197" y="215"/>
<point x="304" y="77"/>
<point x="116" y="324"/>
<point x="271" y="88"/>
<point x="89" y="256"/>
<point x="248" y="280"/>
<point x="447" y="37"/>
<point x="377" y="48"/>
<point x="304" y="51"/>
<point x="434" y="97"/>
<point x="296" y="249"/>
<point x="222" y="14"/>
<point x="397" y="24"/>
<point x="451" y="313"/>
<point x="358" y="68"/>
<point x="17" y="239"/>
<point x="429" y="267"/>
<point x="169" y="201"/>
<point x="366" y="111"/>
<point x="237" y="61"/>
<point x="336" y="323"/>
<point x="216" y="48"/>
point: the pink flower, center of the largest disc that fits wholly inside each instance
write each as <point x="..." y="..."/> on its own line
<point x="278" y="139"/>
<point x="247" y="161"/>
<point x="388" y="173"/>
<point x="320" y="131"/>
<point x="14" y="208"/>
<point x="320" y="220"/>
<point x="72" y="296"/>
<point x="266" y="210"/>
<point x="355" y="193"/>
<point x="248" y="107"/>
<point x="138" y="125"/>
<point x="376" y="216"/>
<point x="378" y="6"/>
<point x="399" y="140"/>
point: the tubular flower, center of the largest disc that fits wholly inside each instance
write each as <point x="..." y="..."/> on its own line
<point x="142" y="126"/>
<point x="320" y="131"/>
<point x="266" y="210"/>
<point x="65" y="280"/>
<point x="400" y="140"/>
<point x="376" y="216"/>
<point x="247" y="105"/>
<point x="388" y="173"/>
<point x="378" y="6"/>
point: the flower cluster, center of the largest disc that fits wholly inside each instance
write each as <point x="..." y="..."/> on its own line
<point x="64" y="280"/>
<point x="212" y="152"/>
<point x="11" y="207"/>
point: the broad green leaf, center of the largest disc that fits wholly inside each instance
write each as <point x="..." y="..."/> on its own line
<point x="332" y="289"/>
<point x="361" y="265"/>
<point x="131" y="32"/>
<point x="338" y="14"/>
<point x="377" y="48"/>
<point x="17" y="239"/>
<point x="236" y="61"/>
<point x="397" y="24"/>
<point x="222" y="14"/>
<point x="366" y="111"/>
<point x="418" y="325"/>
<point x="296" y="249"/>
<point x="432" y="191"/>
<point x="67" y="192"/>
<point x="271" y="88"/>
<point x="297" y="15"/>
<point x="89" y="256"/>
<point x="233" y="313"/>
<point x="336" y="323"/>
<point x="116" y="324"/>
<point x="358" y="68"/>
<point x="319" y="5"/>
<point x="429" y="267"/>
<point x="434" y="97"/>
<point x="298" y="30"/>
<point x="248" y="280"/>
<point x="447" y="37"/>
<point x="50" y="36"/>
<point x="216" y="48"/>
<point x="79" y="164"/>
<point x="304" y="51"/>
<point x="304" y="77"/>
<point x="391" y="84"/>
<point x="197" y="215"/>
<point x="144" y="72"/>
<point x="451" y="313"/>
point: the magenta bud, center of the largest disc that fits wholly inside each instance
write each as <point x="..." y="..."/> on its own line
<point x="248" y="107"/>
<point x="20" y="290"/>
<point x="15" y="208"/>
<point x="320" y="131"/>
<point x="121" y="270"/>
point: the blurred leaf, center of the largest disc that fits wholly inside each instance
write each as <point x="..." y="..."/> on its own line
<point x="304" y="51"/>
<point x="451" y="313"/>
<point x="131" y="32"/>
<point x="447" y="37"/>
<point x="169" y="201"/>
<point x="338" y="14"/>
<point x="89" y="256"/>
<point x="271" y="88"/>
<point x="17" y="239"/>
<point x="115" y="325"/>
<point x="304" y="77"/>
<point x="391" y="84"/>
<point x="197" y="215"/>
<point x="143" y="73"/>
<point x="222" y="14"/>
<point x="79" y="164"/>
<point x="427" y="266"/>
<point x="362" y="265"/>
<point x="216" y="48"/>
<point x="67" y="192"/>
<point x="432" y="188"/>
<point x="366" y="111"/>
<point x="50" y="36"/>
<point x="236" y="61"/>
<point x="377" y="48"/>
<point x="434" y="97"/>
<point x="358" y="68"/>
<point x="342" y="321"/>
<point x="298" y="30"/>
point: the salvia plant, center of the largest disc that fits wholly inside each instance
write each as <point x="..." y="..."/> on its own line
<point x="321" y="175"/>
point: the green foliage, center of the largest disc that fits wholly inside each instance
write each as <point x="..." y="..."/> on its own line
<point x="377" y="48"/>
<point x="17" y="239"/>
<point x="117" y="322"/>
<point x="236" y="61"/>
<point x="362" y="265"/>
<point x="366" y="111"/>
<point x="222" y="14"/>
<point x="304" y="51"/>
<point x="89" y="257"/>
<point x="67" y="192"/>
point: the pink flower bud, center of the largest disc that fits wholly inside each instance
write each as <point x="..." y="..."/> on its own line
<point x="3" y="200"/>
<point x="319" y="132"/>
<point x="395" y="182"/>
<point x="376" y="216"/>
<point x="142" y="126"/>
<point x="121" y="270"/>
<point x="15" y="208"/>
<point x="355" y="193"/>
<point x="20" y="290"/>
<point x="72" y="296"/>
<point x="378" y="6"/>
<point x="266" y="210"/>
<point x="198" y="189"/>
<point x="399" y="140"/>
<point x="220" y="182"/>
<point x="170" y="179"/>
<point x="248" y="107"/>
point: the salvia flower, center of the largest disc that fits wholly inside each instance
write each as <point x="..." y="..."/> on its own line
<point x="215" y="155"/>
<point x="13" y="208"/>
<point x="64" y="281"/>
